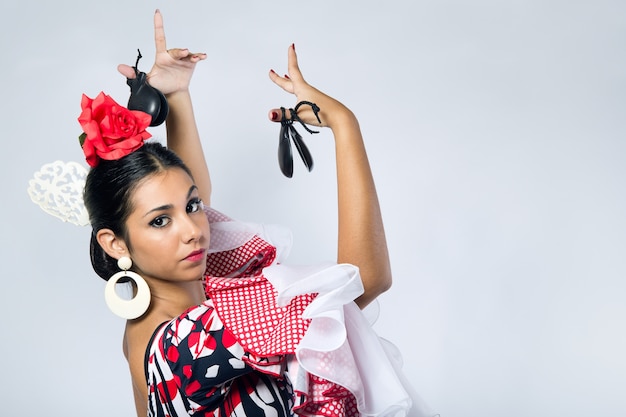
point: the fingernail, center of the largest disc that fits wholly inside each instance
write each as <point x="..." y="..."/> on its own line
<point x="293" y="45"/>
<point x="274" y="115"/>
<point x="272" y="71"/>
<point x="287" y="77"/>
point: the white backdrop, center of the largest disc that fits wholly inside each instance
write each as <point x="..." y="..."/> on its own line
<point x="496" y="132"/>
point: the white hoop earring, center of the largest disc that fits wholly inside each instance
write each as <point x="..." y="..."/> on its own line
<point x="127" y="309"/>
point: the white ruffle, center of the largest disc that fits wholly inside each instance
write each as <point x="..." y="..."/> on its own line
<point x="228" y="234"/>
<point x="340" y="344"/>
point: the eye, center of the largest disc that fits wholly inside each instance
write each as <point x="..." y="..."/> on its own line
<point x="160" y="221"/>
<point x="194" y="205"/>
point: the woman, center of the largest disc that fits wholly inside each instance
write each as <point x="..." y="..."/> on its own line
<point x="187" y="353"/>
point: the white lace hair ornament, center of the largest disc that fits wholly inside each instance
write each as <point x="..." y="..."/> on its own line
<point x="58" y="189"/>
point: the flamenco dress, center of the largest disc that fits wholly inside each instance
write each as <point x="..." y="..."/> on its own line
<point x="274" y="340"/>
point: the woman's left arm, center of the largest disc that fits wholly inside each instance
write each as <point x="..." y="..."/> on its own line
<point x="361" y="235"/>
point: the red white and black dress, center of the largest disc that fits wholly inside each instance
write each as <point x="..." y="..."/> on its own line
<point x="273" y="340"/>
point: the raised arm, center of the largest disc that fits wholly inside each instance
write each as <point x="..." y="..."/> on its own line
<point x="183" y="138"/>
<point x="361" y="235"/>
<point x="171" y="74"/>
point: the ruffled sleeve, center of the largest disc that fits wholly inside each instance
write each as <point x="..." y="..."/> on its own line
<point x="195" y="366"/>
<point x="190" y="360"/>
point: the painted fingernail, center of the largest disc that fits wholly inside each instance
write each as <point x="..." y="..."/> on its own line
<point x="293" y="45"/>
<point x="274" y="115"/>
<point x="272" y="71"/>
<point x="287" y="77"/>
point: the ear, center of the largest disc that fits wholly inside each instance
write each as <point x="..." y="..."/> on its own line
<point x="111" y="244"/>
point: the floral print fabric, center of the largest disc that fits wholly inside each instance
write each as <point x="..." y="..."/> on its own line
<point x="196" y="367"/>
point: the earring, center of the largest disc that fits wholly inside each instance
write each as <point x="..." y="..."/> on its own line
<point x="127" y="309"/>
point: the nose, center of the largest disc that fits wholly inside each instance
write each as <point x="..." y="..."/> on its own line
<point x="191" y="231"/>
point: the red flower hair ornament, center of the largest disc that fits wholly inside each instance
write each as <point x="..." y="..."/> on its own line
<point x="111" y="131"/>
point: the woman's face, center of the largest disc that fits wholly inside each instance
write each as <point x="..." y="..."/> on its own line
<point x="168" y="230"/>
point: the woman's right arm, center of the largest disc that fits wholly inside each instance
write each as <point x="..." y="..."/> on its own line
<point x="171" y="74"/>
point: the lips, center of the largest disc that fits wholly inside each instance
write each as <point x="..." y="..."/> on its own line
<point x="196" y="256"/>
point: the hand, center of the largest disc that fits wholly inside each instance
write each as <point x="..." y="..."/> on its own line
<point x="332" y="112"/>
<point x="172" y="69"/>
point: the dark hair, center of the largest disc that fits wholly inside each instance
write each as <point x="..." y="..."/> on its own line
<point x="108" y="190"/>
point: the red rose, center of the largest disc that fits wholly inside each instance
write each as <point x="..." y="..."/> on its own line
<point x="111" y="131"/>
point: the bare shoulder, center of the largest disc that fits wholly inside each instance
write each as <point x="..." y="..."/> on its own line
<point x="137" y="335"/>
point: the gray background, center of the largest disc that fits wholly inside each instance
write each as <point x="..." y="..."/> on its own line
<point x="496" y="132"/>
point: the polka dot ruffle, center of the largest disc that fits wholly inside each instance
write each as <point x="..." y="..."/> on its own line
<point x="248" y="309"/>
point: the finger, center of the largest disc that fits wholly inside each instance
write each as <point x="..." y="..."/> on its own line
<point x="159" y="32"/>
<point x="195" y="56"/>
<point x="178" y="53"/>
<point x="282" y="82"/>
<point x="276" y="115"/>
<point x="305" y="114"/>
<point x="292" y="64"/>
<point x="126" y="70"/>
<point x="184" y="55"/>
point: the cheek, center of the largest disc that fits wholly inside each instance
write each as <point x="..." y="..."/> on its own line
<point x="154" y="260"/>
<point x="150" y="248"/>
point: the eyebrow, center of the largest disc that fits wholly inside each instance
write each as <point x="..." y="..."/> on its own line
<point x="170" y="206"/>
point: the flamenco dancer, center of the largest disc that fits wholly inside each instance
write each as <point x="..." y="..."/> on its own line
<point x="219" y="324"/>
